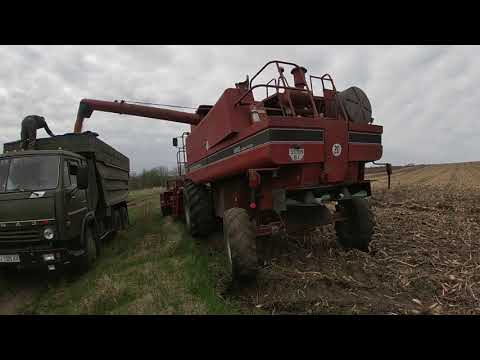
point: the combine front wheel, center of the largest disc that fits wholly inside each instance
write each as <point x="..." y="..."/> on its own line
<point x="355" y="232"/>
<point x="198" y="209"/>
<point x="239" y="234"/>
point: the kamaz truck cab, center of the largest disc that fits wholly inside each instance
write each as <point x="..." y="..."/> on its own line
<point x="53" y="209"/>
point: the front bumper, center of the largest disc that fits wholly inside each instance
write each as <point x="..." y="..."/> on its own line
<point x="35" y="258"/>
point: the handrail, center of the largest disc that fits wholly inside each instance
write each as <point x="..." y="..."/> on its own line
<point x="270" y="62"/>
<point x="321" y="78"/>
<point x="275" y="80"/>
<point x="182" y="155"/>
<point x="268" y="86"/>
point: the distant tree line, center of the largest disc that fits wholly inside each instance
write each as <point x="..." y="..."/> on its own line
<point x="155" y="177"/>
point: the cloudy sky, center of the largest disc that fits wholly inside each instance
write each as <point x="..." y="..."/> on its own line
<point x="426" y="97"/>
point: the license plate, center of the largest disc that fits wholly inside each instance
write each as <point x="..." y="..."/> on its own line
<point x="9" y="258"/>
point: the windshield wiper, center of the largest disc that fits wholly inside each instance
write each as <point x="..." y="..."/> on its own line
<point x="18" y="188"/>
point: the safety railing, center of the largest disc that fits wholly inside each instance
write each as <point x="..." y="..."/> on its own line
<point x="182" y="156"/>
<point x="280" y="71"/>
<point x="323" y="78"/>
<point x="277" y="87"/>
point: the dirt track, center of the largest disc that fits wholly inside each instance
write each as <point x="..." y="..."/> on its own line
<point x="425" y="256"/>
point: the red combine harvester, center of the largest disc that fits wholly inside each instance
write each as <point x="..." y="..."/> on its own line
<point x="273" y="166"/>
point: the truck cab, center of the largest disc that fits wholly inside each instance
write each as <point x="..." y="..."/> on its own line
<point x="60" y="201"/>
<point x="42" y="207"/>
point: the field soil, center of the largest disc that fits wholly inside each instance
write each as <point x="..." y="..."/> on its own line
<point x="424" y="259"/>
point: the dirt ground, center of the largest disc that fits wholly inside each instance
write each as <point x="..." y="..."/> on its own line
<point x="424" y="259"/>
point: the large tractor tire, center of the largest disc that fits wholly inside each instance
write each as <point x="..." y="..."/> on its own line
<point x="357" y="230"/>
<point x="240" y="242"/>
<point x="198" y="209"/>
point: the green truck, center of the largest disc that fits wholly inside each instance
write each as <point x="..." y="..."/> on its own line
<point x="60" y="201"/>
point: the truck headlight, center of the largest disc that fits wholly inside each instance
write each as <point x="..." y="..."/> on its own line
<point x="48" y="233"/>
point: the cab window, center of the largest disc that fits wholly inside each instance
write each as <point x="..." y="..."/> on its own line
<point x="66" y="175"/>
<point x="73" y="178"/>
<point x="4" y="165"/>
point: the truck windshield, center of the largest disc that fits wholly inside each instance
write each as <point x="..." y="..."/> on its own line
<point x="29" y="173"/>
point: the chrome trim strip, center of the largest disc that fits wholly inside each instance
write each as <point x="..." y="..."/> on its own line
<point x="77" y="211"/>
<point x="23" y="221"/>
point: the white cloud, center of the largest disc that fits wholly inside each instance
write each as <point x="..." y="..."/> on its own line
<point x="424" y="96"/>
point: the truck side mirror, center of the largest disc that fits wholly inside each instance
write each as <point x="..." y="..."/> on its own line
<point x="73" y="169"/>
<point x="175" y="142"/>
<point x="82" y="177"/>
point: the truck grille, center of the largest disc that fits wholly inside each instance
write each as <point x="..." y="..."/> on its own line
<point x="14" y="235"/>
<point x="20" y="238"/>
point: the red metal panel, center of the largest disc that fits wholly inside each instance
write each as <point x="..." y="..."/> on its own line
<point x="297" y="122"/>
<point x="255" y="158"/>
<point x="225" y="119"/>
<point x="268" y="155"/>
<point x="196" y="141"/>
<point x="222" y="121"/>
<point x="365" y="152"/>
<point x="365" y="128"/>
<point x="230" y="193"/>
<point x="313" y="153"/>
<point x="353" y="172"/>
<point x="336" y="133"/>
<point x="311" y="174"/>
<point x="336" y="150"/>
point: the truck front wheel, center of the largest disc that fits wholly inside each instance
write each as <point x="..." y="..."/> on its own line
<point x="91" y="250"/>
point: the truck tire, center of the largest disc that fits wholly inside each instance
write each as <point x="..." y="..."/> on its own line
<point x="357" y="230"/>
<point x="116" y="223"/>
<point x="240" y="242"/>
<point x="166" y="211"/>
<point x="198" y="209"/>
<point x="124" y="218"/>
<point x="91" y="250"/>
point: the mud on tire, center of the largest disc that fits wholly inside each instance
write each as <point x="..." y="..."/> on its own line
<point x="198" y="209"/>
<point x="240" y="242"/>
<point x="357" y="230"/>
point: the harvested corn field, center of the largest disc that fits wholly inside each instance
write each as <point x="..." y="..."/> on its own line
<point x="424" y="259"/>
<point x="425" y="256"/>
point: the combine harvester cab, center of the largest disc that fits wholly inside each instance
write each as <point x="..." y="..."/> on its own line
<point x="288" y="163"/>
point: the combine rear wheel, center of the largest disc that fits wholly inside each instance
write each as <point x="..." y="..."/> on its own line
<point x="356" y="231"/>
<point x="240" y="241"/>
<point x="198" y="209"/>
